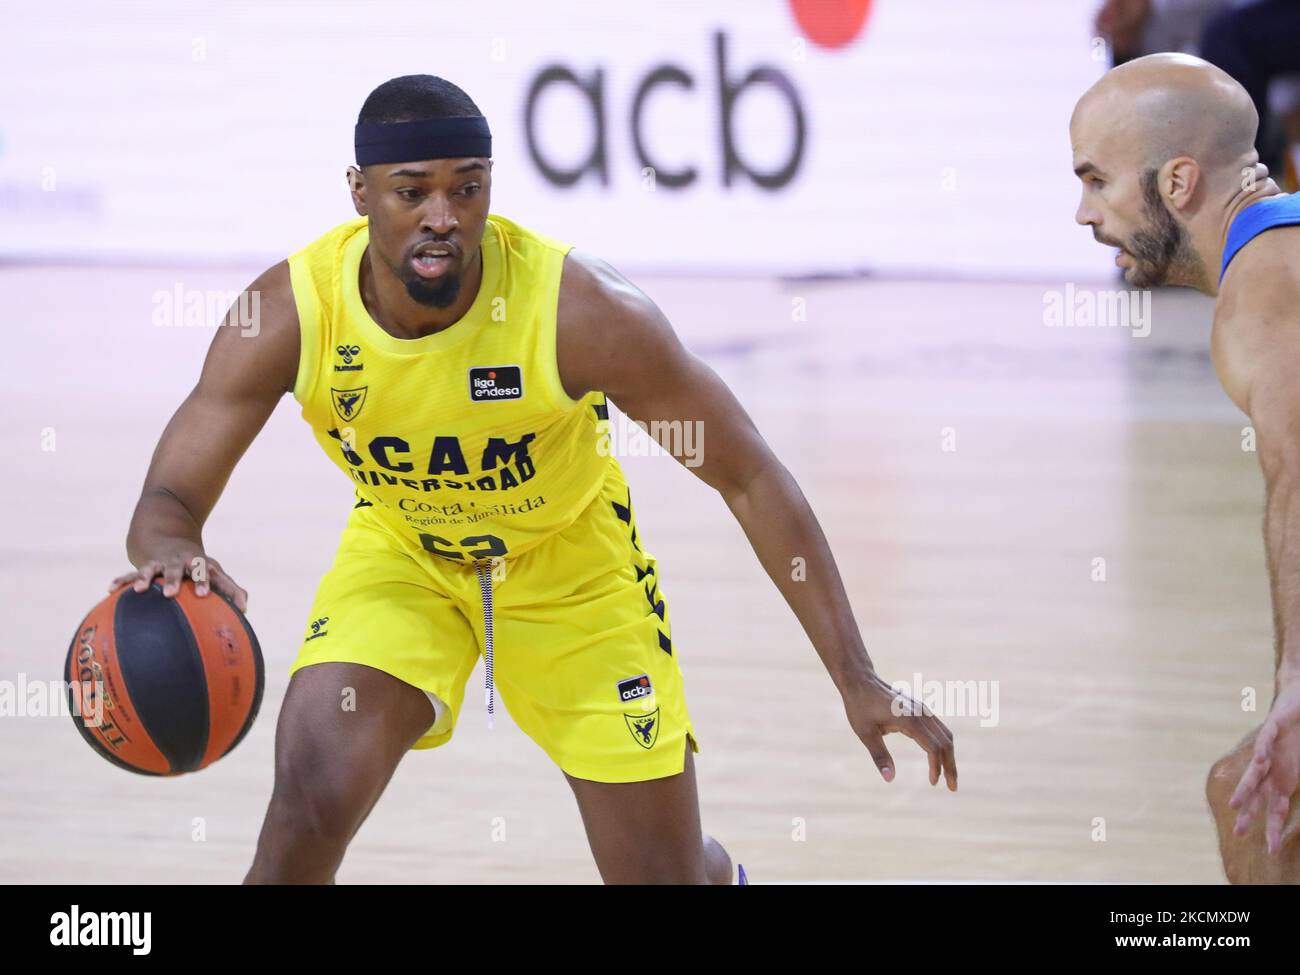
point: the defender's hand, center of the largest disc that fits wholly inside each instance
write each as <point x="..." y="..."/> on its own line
<point x="873" y="713"/>
<point x="1274" y="770"/>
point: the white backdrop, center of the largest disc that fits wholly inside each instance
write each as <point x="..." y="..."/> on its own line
<point x="935" y="136"/>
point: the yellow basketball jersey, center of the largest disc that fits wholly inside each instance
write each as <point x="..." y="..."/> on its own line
<point x="464" y="441"/>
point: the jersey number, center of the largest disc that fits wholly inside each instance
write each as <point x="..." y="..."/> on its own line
<point x="492" y="546"/>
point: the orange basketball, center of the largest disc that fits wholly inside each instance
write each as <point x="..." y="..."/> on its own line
<point x="163" y="686"/>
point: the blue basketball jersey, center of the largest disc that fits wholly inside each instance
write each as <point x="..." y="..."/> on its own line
<point x="1275" y="211"/>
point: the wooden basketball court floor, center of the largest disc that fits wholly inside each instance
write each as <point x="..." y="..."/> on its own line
<point x="968" y="564"/>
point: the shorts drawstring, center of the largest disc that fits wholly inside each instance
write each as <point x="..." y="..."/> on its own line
<point x="485" y="588"/>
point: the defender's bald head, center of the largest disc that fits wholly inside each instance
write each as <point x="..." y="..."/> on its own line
<point x="1162" y="145"/>
<point x="1169" y="105"/>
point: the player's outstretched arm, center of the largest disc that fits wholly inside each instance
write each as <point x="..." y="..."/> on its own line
<point x="249" y="366"/>
<point x="1257" y="345"/>
<point x="613" y="338"/>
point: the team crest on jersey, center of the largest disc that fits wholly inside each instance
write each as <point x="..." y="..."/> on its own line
<point x="348" y="402"/>
<point x="487" y="383"/>
<point x="349" y="354"/>
<point x="644" y="727"/>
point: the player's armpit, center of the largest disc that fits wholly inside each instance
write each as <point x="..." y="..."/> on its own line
<point x="612" y="337"/>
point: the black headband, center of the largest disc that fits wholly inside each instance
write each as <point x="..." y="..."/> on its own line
<point x="435" y="138"/>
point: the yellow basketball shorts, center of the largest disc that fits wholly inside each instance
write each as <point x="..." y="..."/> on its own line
<point x="578" y="628"/>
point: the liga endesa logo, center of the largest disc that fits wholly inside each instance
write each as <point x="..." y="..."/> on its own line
<point x="829" y="24"/>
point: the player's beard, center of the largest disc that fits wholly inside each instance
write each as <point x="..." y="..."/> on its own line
<point x="436" y="294"/>
<point x="440" y="293"/>
<point x="1162" y="251"/>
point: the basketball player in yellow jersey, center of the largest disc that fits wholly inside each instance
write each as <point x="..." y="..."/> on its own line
<point x="455" y="366"/>
<point x="1164" y="146"/>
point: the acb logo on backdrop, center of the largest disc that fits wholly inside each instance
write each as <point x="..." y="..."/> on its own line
<point x="827" y="23"/>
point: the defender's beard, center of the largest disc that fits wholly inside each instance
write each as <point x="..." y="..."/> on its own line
<point x="1162" y="251"/>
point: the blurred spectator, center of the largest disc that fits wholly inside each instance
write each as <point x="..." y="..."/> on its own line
<point x="1255" y="41"/>
<point x="1258" y="43"/>
<point x="1136" y="27"/>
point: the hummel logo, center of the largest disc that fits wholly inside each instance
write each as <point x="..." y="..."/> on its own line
<point x="348" y="352"/>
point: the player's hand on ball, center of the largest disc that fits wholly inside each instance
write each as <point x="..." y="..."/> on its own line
<point x="875" y="709"/>
<point x="1274" y="770"/>
<point x="203" y="569"/>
